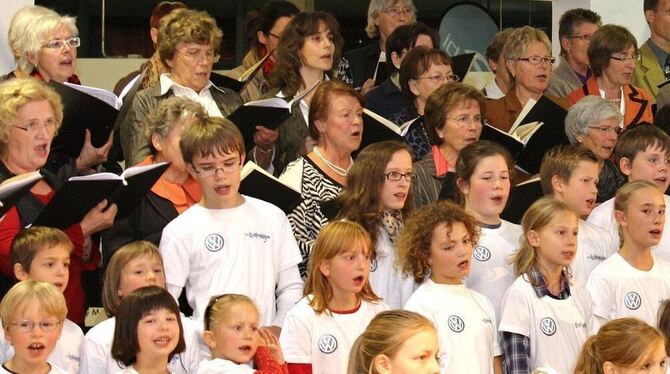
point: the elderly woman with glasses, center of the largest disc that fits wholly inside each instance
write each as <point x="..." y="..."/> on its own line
<point x="595" y="124"/>
<point x="188" y="43"/>
<point x="453" y="120"/>
<point x="613" y="54"/>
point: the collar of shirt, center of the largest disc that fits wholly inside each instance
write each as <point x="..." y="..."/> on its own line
<point x="660" y="54"/>
<point x="540" y="286"/>
<point x="204" y="97"/>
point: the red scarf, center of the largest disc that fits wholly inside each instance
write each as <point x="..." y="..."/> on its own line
<point x="269" y="64"/>
<point x="74" y="79"/>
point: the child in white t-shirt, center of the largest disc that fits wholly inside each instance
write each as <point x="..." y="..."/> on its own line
<point x="545" y="319"/>
<point x="233" y="336"/>
<point x="483" y="177"/>
<point x="32" y="315"/>
<point x="633" y="282"/>
<point x="320" y="330"/>
<point x="134" y="265"/>
<point x="229" y="243"/>
<point x="435" y="247"/>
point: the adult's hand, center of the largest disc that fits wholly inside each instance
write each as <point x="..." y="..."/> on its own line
<point x="89" y="156"/>
<point x="98" y="218"/>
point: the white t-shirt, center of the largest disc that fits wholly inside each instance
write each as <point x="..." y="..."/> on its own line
<point x="324" y="340"/>
<point x="556" y="329"/>
<point x="386" y="280"/>
<point x="466" y="326"/>
<point x="128" y="370"/>
<point x="594" y="245"/>
<point x="54" y="370"/>
<point x="66" y="355"/>
<point x="491" y="272"/>
<point x="249" y="249"/>
<point x="619" y="290"/>
<point x="97" y="356"/>
<point x="221" y="366"/>
<point x="603" y="216"/>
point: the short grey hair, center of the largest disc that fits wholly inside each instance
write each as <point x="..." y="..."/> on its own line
<point x="378" y="6"/>
<point x="520" y="39"/>
<point x="29" y="29"/>
<point x="168" y="113"/>
<point x="588" y="111"/>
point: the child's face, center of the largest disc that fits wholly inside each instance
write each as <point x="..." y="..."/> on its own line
<point x="145" y="270"/>
<point x="33" y="345"/>
<point x="487" y="190"/>
<point x="394" y="193"/>
<point x="450" y="253"/>
<point x="417" y="355"/>
<point x="650" y="165"/>
<point x="219" y="179"/>
<point x="49" y="265"/>
<point x="348" y="271"/>
<point x="581" y="189"/>
<point x="235" y="336"/>
<point x="654" y="363"/>
<point x="158" y="333"/>
<point x="556" y="243"/>
<point x="642" y="221"/>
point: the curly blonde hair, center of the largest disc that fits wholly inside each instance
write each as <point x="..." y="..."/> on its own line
<point x="186" y="26"/>
<point x="413" y="244"/>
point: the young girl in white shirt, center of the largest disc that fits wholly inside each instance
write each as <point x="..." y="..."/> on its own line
<point x="435" y="247"/>
<point x="624" y="345"/>
<point x="396" y="342"/>
<point x="233" y="337"/>
<point x="483" y="177"/>
<point x="132" y="266"/>
<point x="632" y="282"/>
<point x="545" y="319"/>
<point x="148" y="332"/>
<point x="32" y="315"/>
<point x="339" y="303"/>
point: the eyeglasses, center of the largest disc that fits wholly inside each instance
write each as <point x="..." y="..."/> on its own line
<point x="73" y="42"/>
<point x="605" y="129"/>
<point x="27" y="326"/>
<point x="200" y="55"/>
<point x="273" y="34"/>
<point x="210" y="170"/>
<point x="395" y="176"/>
<point x="396" y="12"/>
<point x="624" y="58"/>
<point x="440" y="78"/>
<point x="465" y="121"/>
<point x="32" y="128"/>
<point x="536" y="60"/>
<point x="585" y="37"/>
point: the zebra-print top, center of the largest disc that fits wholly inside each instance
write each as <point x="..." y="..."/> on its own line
<point x="307" y="219"/>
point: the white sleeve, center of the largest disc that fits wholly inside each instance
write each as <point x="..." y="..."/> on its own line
<point x="295" y="340"/>
<point x="497" y="348"/>
<point x="94" y="357"/>
<point x="515" y="313"/>
<point x="192" y="353"/>
<point x="289" y="292"/>
<point x="175" y="262"/>
<point x="601" y="297"/>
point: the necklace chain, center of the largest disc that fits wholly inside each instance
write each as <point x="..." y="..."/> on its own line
<point x="339" y="170"/>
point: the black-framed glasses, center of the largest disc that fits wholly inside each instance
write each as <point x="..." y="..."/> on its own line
<point x="605" y="129"/>
<point x="396" y="11"/>
<point x="33" y="128"/>
<point x="199" y="55"/>
<point x="395" y="176"/>
<point x="210" y="170"/>
<point x="440" y="78"/>
<point x="625" y="58"/>
<point x="585" y="37"/>
<point x="536" y="60"/>
<point x="25" y="327"/>
<point x="273" y="34"/>
<point x="465" y="121"/>
<point x="72" y="42"/>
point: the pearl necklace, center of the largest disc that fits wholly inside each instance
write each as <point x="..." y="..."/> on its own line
<point x="339" y="170"/>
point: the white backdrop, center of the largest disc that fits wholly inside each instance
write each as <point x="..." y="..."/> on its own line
<point x="9" y="7"/>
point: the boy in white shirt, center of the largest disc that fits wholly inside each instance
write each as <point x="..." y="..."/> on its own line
<point x="570" y="174"/>
<point x="229" y="243"/>
<point x="642" y="153"/>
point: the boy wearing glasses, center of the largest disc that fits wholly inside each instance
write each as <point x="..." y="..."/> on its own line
<point x="229" y="243"/>
<point x="43" y="254"/>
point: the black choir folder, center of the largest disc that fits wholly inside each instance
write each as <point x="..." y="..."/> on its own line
<point x="521" y="197"/>
<point x="260" y="184"/>
<point x="80" y="194"/>
<point x="538" y="128"/>
<point x="13" y="189"/>
<point x="237" y="84"/>
<point x="269" y="113"/>
<point x="377" y="129"/>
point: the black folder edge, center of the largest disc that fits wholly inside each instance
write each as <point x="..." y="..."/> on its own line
<point x="11" y="199"/>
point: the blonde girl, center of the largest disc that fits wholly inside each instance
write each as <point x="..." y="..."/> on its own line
<point x="320" y="329"/>
<point x="545" y="319"/>
<point x="233" y="336"/>
<point x="396" y="342"/>
<point x="32" y="314"/>
<point x="632" y="282"/>
<point x="483" y="177"/>
<point x="435" y="247"/>
<point x="132" y="266"/>
<point x="625" y="345"/>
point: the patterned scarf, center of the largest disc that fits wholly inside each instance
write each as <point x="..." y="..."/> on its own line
<point x="392" y="223"/>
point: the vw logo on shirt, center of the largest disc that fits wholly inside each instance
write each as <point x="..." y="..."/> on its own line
<point x="455" y="323"/>
<point x="327" y="344"/>
<point x="632" y="300"/>
<point x="373" y="264"/>
<point x="481" y="253"/>
<point x="214" y="242"/>
<point x="548" y="326"/>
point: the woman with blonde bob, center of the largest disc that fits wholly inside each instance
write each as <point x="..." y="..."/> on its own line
<point x="396" y="342"/>
<point x="624" y="345"/>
